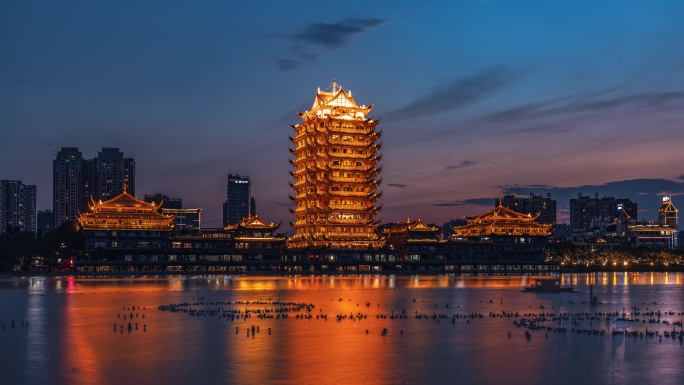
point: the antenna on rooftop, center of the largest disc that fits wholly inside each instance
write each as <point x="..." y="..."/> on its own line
<point x="334" y="86"/>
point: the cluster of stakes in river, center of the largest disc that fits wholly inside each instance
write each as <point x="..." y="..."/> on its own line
<point x="133" y="319"/>
<point x="656" y="323"/>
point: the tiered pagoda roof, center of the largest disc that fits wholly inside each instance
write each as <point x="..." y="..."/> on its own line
<point x="253" y="223"/>
<point x="502" y="221"/>
<point x="125" y="212"/>
<point x="335" y="103"/>
<point x="412" y="231"/>
<point x="253" y="228"/>
<point x="412" y="226"/>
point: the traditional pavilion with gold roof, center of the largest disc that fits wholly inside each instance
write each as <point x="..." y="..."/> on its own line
<point x="336" y="175"/>
<point x="125" y="228"/>
<point x="502" y="236"/>
<point x="413" y="240"/>
<point x="502" y="221"/>
<point x="252" y="232"/>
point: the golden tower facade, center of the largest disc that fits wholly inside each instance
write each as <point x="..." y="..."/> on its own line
<point x="336" y="174"/>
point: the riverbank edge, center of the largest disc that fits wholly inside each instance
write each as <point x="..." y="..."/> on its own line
<point x="563" y="270"/>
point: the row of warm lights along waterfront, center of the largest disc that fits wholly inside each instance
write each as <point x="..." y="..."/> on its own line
<point x="336" y="173"/>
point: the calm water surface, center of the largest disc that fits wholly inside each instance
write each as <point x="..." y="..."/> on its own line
<point x="74" y="333"/>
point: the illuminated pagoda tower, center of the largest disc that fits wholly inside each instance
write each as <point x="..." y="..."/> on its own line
<point x="125" y="228"/>
<point x="336" y="169"/>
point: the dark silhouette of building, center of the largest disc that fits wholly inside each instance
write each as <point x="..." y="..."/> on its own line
<point x="534" y="204"/>
<point x="238" y="199"/>
<point x="17" y="205"/>
<point x="252" y="206"/>
<point x="75" y="180"/>
<point x="588" y="212"/>
<point x="45" y="221"/>
<point x="167" y="203"/>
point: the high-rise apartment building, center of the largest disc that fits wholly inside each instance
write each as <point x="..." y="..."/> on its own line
<point x="110" y="172"/>
<point x="535" y="204"/>
<point x="588" y="212"/>
<point x="336" y="174"/>
<point x="76" y="180"/>
<point x="70" y="187"/>
<point x="238" y="200"/>
<point x="17" y="205"/>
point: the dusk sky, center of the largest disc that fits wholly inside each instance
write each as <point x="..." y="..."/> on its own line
<point x="477" y="99"/>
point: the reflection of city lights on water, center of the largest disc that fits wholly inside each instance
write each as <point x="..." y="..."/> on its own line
<point x="71" y="284"/>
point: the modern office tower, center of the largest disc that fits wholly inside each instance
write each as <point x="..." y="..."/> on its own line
<point x="45" y="221"/>
<point x="336" y="169"/>
<point x="166" y="202"/>
<point x="110" y="172"/>
<point x="587" y="212"/>
<point x="17" y="205"/>
<point x="70" y="188"/>
<point x="77" y="180"/>
<point x="238" y="197"/>
<point x="667" y="215"/>
<point x="535" y="204"/>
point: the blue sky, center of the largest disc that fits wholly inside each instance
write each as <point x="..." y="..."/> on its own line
<point x="476" y="98"/>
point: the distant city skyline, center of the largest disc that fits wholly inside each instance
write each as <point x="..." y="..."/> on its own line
<point x="477" y="100"/>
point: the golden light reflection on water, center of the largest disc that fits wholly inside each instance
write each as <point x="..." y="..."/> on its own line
<point x="83" y="357"/>
<point x="179" y="348"/>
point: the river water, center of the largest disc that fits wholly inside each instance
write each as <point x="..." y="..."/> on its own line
<point x="329" y="330"/>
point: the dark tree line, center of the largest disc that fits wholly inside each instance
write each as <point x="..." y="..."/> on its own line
<point x="20" y="249"/>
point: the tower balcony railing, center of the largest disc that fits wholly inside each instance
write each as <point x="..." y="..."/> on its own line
<point x="355" y="143"/>
<point x="342" y="179"/>
<point x="349" y="130"/>
<point x="363" y="168"/>
<point x="348" y="221"/>
<point x="348" y="155"/>
<point x="340" y="193"/>
<point x="348" y="207"/>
